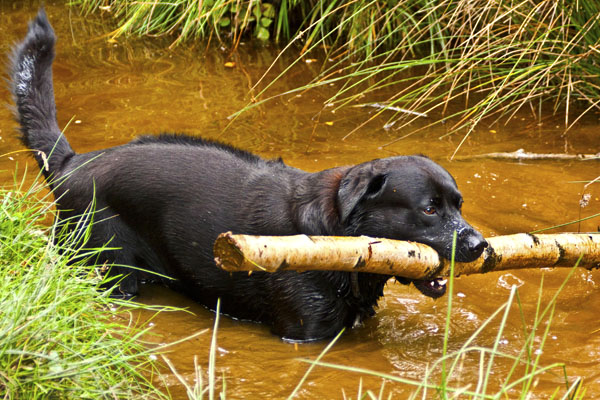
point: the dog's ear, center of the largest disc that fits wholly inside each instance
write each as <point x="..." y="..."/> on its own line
<point x="359" y="183"/>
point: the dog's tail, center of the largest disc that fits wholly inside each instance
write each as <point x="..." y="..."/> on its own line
<point x="33" y="91"/>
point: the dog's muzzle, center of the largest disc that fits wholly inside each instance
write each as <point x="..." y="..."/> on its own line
<point x="433" y="288"/>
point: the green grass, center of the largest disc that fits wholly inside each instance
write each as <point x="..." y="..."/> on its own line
<point x="199" y="389"/>
<point x="61" y="336"/>
<point x="186" y="19"/>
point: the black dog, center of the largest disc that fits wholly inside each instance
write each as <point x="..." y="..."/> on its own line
<point x="162" y="201"/>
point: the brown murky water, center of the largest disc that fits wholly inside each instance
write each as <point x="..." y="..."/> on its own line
<point x="115" y="91"/>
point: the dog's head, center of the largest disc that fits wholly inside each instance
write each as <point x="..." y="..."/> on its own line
<point x="408" y="198"/>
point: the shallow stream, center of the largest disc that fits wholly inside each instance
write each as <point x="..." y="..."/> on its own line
<point x="113" y="91"/>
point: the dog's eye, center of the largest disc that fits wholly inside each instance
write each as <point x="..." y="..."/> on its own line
<point x="429" y="210"/>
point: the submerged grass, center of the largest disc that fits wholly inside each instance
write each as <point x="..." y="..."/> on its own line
<point x="61" y="336"/>
<point x="460" y="61"/>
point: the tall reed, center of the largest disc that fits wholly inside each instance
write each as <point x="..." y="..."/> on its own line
<point x="458" y="61"/>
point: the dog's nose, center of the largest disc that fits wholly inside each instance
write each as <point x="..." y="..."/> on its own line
<point x="476" y="245"/>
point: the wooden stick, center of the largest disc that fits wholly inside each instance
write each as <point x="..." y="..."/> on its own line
<point x="394" y="257"/>
<point x="523" y="155"/>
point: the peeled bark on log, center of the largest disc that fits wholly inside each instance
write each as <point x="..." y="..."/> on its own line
<point x="400" y="258"/>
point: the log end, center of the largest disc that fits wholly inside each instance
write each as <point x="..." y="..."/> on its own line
<point x="228" y="256"/>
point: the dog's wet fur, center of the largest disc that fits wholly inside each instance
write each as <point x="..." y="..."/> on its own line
<point x="161" y="201"/>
